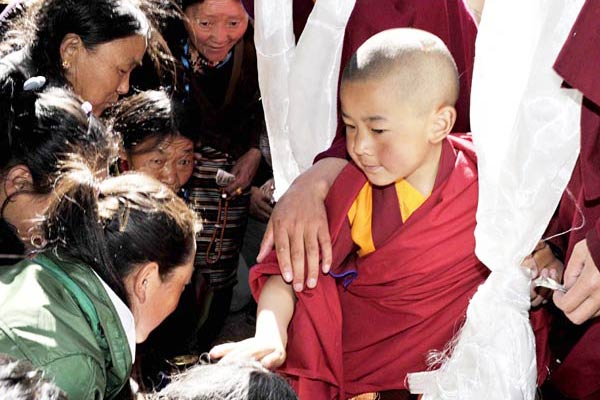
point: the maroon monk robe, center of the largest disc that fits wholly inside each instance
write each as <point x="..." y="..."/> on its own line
<point x="404" y="299"/>
<point x="578" y="64"/>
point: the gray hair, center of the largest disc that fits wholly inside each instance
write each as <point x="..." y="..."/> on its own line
<point x="246" y="380"/>
<point x="19" y="380"/>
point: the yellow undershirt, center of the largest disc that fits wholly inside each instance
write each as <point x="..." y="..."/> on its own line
<point x="360" y="214"/>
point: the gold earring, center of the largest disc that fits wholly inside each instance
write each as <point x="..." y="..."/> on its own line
<point x="66" y="64"/>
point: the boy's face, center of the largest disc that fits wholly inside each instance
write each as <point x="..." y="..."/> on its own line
<point x="385" y="137"/>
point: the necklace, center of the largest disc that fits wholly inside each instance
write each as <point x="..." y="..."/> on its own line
<point x="199" y="63"/>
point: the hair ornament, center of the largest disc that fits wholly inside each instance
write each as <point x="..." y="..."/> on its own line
<point x="124" y="215"/>
<point x="87" y="108"/>
<point x="34" y="83"/>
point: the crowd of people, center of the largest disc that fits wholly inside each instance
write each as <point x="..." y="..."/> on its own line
<point x="136" y="178"/>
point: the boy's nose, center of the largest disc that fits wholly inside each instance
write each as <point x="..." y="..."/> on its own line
<point x="361" y="143"/>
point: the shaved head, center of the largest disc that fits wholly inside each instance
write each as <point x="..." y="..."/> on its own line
<point x="417" y="63"/>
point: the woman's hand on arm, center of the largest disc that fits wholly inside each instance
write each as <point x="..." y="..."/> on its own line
<point x="298" y="226"/>
<point x="275" y="310"/>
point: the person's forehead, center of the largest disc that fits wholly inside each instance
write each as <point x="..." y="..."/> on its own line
<point x="129" y="50"/>
<point x="216" y="8"/>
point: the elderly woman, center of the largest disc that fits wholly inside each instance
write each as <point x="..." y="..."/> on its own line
<point x="156" y="137"/>
<point x="219" y="78"/>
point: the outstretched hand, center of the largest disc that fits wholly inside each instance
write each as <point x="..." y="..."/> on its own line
<point x="582" y="281"/>
<point x="270" y="355"/>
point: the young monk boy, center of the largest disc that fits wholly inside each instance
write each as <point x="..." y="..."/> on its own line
<point x="402" y="220"/>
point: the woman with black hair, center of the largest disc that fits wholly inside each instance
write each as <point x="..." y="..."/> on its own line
<point x="90" y="46"/>
<point x="114" y="258"/>
<point x="46" y="127"/>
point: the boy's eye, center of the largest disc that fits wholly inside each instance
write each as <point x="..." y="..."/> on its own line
<point x="377" y="131"/>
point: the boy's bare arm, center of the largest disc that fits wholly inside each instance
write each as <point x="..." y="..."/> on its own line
<point x="275" y="310"/>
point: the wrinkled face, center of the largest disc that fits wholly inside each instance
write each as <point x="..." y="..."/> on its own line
<point x="171" y="161"/>
<point x="162" y="299"/>
<point x="215" y="26"/>
<point x="100" y="75"/>
<point x="385" y="137"/>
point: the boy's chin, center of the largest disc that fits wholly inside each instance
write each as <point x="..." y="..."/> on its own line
<point x="378" y="180"/>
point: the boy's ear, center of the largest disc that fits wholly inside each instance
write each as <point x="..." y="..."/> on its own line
<point x="443" y="121"/>
<point x="18" y="179"/>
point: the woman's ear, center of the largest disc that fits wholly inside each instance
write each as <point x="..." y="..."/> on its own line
<point x="443" y="121"/>
<point x="145" y="280"/>
<point x="17" y="180"/>
<point x="69" y="47"/>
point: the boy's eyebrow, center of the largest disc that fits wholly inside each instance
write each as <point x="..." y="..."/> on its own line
<point x="372" y="118"/>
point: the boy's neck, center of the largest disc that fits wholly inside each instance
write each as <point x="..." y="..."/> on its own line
<point x="423" y="179"/>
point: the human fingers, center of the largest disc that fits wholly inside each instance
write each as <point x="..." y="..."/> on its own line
<point x="531" y="267"/>
<point x="311" y="243"/>
<point x="274" y="359"/>
<point x="235" y="188"/>
<point x="584" y="311"/>
<point x="297" y="253"/>
<point x="264" y="209"/>
<point x="282" y="248"/>
<point x="249" y="349"/>
<point x="544" y="257"/>
<point x="221" y="350"/>
<point x="576" y="294"/>
<point x="537" y="301"/>
<point x="266" y="244"/>
<point x="325" y="245"/>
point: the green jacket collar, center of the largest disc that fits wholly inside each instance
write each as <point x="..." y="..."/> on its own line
<point x="110" y="334"/>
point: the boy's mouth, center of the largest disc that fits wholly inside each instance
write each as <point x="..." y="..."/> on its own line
<point x="371" y="168"/>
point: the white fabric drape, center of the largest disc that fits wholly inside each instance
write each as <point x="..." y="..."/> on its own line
<point x="298" y="84"/>
<point x="526" y="131"/>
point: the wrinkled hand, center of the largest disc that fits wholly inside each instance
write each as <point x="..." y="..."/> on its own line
<point x="270" y="354"/>
<point x="260" y="204"/>
<point x="542" y="262"/>
<point x="298" y="226"/>
<point x="582" y="280"/>
<point x="244" y="170"/>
